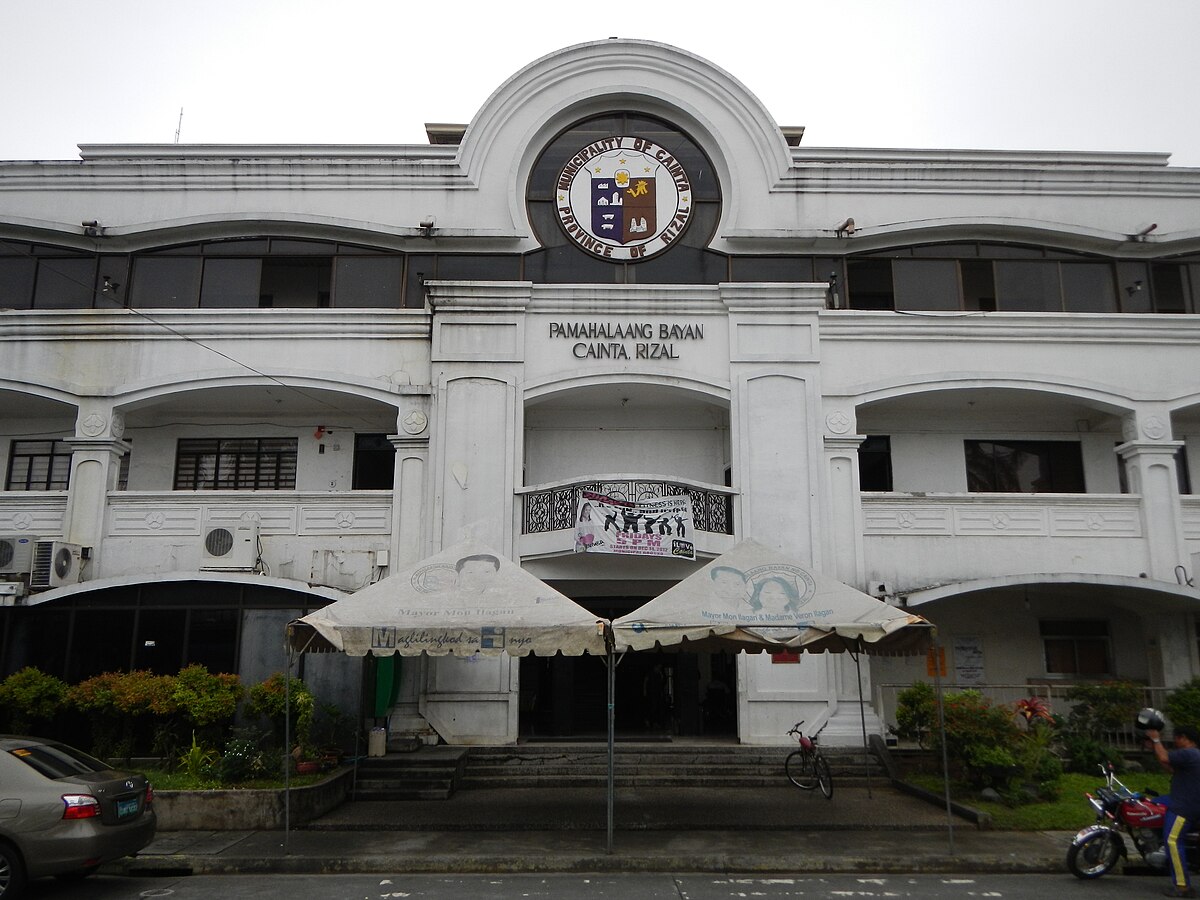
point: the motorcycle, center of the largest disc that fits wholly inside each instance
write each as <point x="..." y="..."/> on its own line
<point x="1095" y="849"/>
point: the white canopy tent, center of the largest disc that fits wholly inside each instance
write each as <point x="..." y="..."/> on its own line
<point x="468" y="599"/>
<point x="465" y="600"/>
<point x="755" y="599"/>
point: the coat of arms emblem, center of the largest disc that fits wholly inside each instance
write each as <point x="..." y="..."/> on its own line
<point x="623" y="198"/>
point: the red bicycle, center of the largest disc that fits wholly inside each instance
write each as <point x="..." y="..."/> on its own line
<point x="805" y="766"/>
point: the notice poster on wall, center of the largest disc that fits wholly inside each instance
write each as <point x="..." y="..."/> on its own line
<point x="968" y="660"/>
<point x="651" y="526"/>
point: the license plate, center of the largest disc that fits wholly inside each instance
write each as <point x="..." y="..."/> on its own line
<point x="126" y="808"/>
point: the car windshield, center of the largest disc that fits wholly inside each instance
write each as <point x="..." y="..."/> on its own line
<point x="58" y="760"/>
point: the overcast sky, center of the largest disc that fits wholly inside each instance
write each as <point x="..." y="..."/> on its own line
<point x="1014" y="74"/>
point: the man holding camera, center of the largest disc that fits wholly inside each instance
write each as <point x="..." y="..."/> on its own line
<point x="1183" y="806"/>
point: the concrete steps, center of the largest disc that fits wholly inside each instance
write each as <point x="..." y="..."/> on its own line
<point x="649" y="765"/>
<point x="431" y="773"/>
<point x="436" y="773"/>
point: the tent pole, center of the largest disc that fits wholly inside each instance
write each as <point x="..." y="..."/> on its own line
<point x="612" y="695"/>
<point x="862" y="712"/>
<point x="937" y="680"/>
<point x="287" y="758"/>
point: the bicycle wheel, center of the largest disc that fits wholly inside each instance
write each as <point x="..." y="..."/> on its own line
<point x="824" y="776"/>
<point x="800" y="769"/>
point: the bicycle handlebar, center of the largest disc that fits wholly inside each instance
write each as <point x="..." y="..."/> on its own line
<point x="795" y="729"/>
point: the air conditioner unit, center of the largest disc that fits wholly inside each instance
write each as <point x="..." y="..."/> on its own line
<point x="55" y="564"/>
<point x="230" y="548"/>
<point x="16" y="554"/>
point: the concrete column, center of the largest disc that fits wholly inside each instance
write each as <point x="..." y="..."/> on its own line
<point x="477" y="360"/>
<point x="1151" y="470"/>
<point x="1149" y="455"/>
<point x="776" y="433"/>
<point x="844" y="549"/>
<point x="409" y="510"/>
<point x="96" y="451"/>
<point x="408" y="546"/>
<point x="843" y="534"/>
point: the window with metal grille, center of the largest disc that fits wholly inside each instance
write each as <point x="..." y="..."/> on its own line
<point x="38" y="466"/>
<point x="235" y="464"/>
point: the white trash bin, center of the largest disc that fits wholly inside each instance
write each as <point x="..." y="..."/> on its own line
<point x="377" y="742"/>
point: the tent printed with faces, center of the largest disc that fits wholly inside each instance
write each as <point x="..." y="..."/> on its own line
<point x="468" y="599"/>
<point x="754" y="598"/>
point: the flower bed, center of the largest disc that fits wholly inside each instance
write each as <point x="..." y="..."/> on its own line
<point x="250" y="809"/>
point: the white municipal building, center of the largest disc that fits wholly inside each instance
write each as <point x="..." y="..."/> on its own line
<point x="239" y="382"/>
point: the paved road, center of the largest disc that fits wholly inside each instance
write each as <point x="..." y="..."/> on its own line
<point x="587" y="887"/>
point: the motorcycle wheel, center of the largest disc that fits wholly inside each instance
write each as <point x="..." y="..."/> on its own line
<point x="1095" y="855"/>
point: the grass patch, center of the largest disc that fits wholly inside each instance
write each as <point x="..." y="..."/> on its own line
<point x="1069" y="812"/>
<point x="163" y="780"/>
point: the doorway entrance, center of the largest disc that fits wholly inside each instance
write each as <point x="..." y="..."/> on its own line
<point x="659" y="695"/>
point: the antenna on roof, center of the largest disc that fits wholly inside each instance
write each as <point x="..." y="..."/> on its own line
<point x="179" y="127"/>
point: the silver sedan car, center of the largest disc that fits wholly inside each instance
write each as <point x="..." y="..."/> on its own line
<point x="65" y="813"/>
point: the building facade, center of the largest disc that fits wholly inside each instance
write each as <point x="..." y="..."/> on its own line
<point x="241" y="381"/>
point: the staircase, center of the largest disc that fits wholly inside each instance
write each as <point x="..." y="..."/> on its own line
<point x="650" y="765"/>
<point x="435" y="773"/>
<point x="431" y="773"/>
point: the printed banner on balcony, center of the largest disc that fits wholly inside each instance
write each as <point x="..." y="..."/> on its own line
<point x="652" y="526"/>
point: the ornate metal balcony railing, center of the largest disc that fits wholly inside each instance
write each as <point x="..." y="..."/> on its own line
<point x="553" y="508"/>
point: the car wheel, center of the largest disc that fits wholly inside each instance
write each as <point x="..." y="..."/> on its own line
<point x="12" y="872"/>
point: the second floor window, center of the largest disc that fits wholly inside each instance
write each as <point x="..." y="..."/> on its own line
<point x="235" y="464"/>
<point x="1024" y="467"/>
<point x="38" y="466"/>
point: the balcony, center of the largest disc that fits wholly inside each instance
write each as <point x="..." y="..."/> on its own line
<point x="547" y="511"/>
<point x="319" y="537"/>
<point x="33" y="513"/>
<point x="918" y="539"/>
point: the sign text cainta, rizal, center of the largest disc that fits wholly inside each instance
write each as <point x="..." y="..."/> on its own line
<point x="626" y="340"/>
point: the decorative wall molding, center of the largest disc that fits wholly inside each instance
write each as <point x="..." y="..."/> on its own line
<point x="184" y="514"/>
<point x="992" y="515"/>
<point x="33" y="514"/>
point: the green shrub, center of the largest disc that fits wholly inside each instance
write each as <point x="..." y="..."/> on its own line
<point x="984" y="740"/>
<point x="197" y="761"/>
<point x="1084" y="753"/>
<point x="1182" y="705"/>
<point x="242" y="760"/>
<point x="268" y="699"/>
<point x="205" y="698"/>
<point x="916" y="714"/>
<point x="1104" y="707"/>
<point x="32" y="698"/>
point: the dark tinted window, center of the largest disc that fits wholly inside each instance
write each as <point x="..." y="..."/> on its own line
<point x="875" y="464"/>
<point x="926" y="284"/>
<point x="16" y="282"/>
<point x="165" y="282"/>
<point x="231" y="283"/>
<point x="368" y="281"/>
<point x="59" y="760"/>
<point x="298" y="283"/>
<point x="1088" y="287"/>
<point x="1024" y="466"/>
<point x="1027" y="287"/>
<point x="869" y="282"/>
<point x="65" y="283"/>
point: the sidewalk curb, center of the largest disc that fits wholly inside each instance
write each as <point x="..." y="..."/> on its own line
<point x="175" y="866"/>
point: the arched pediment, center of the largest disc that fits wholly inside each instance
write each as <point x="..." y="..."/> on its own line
<point x="747" y="148"/>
